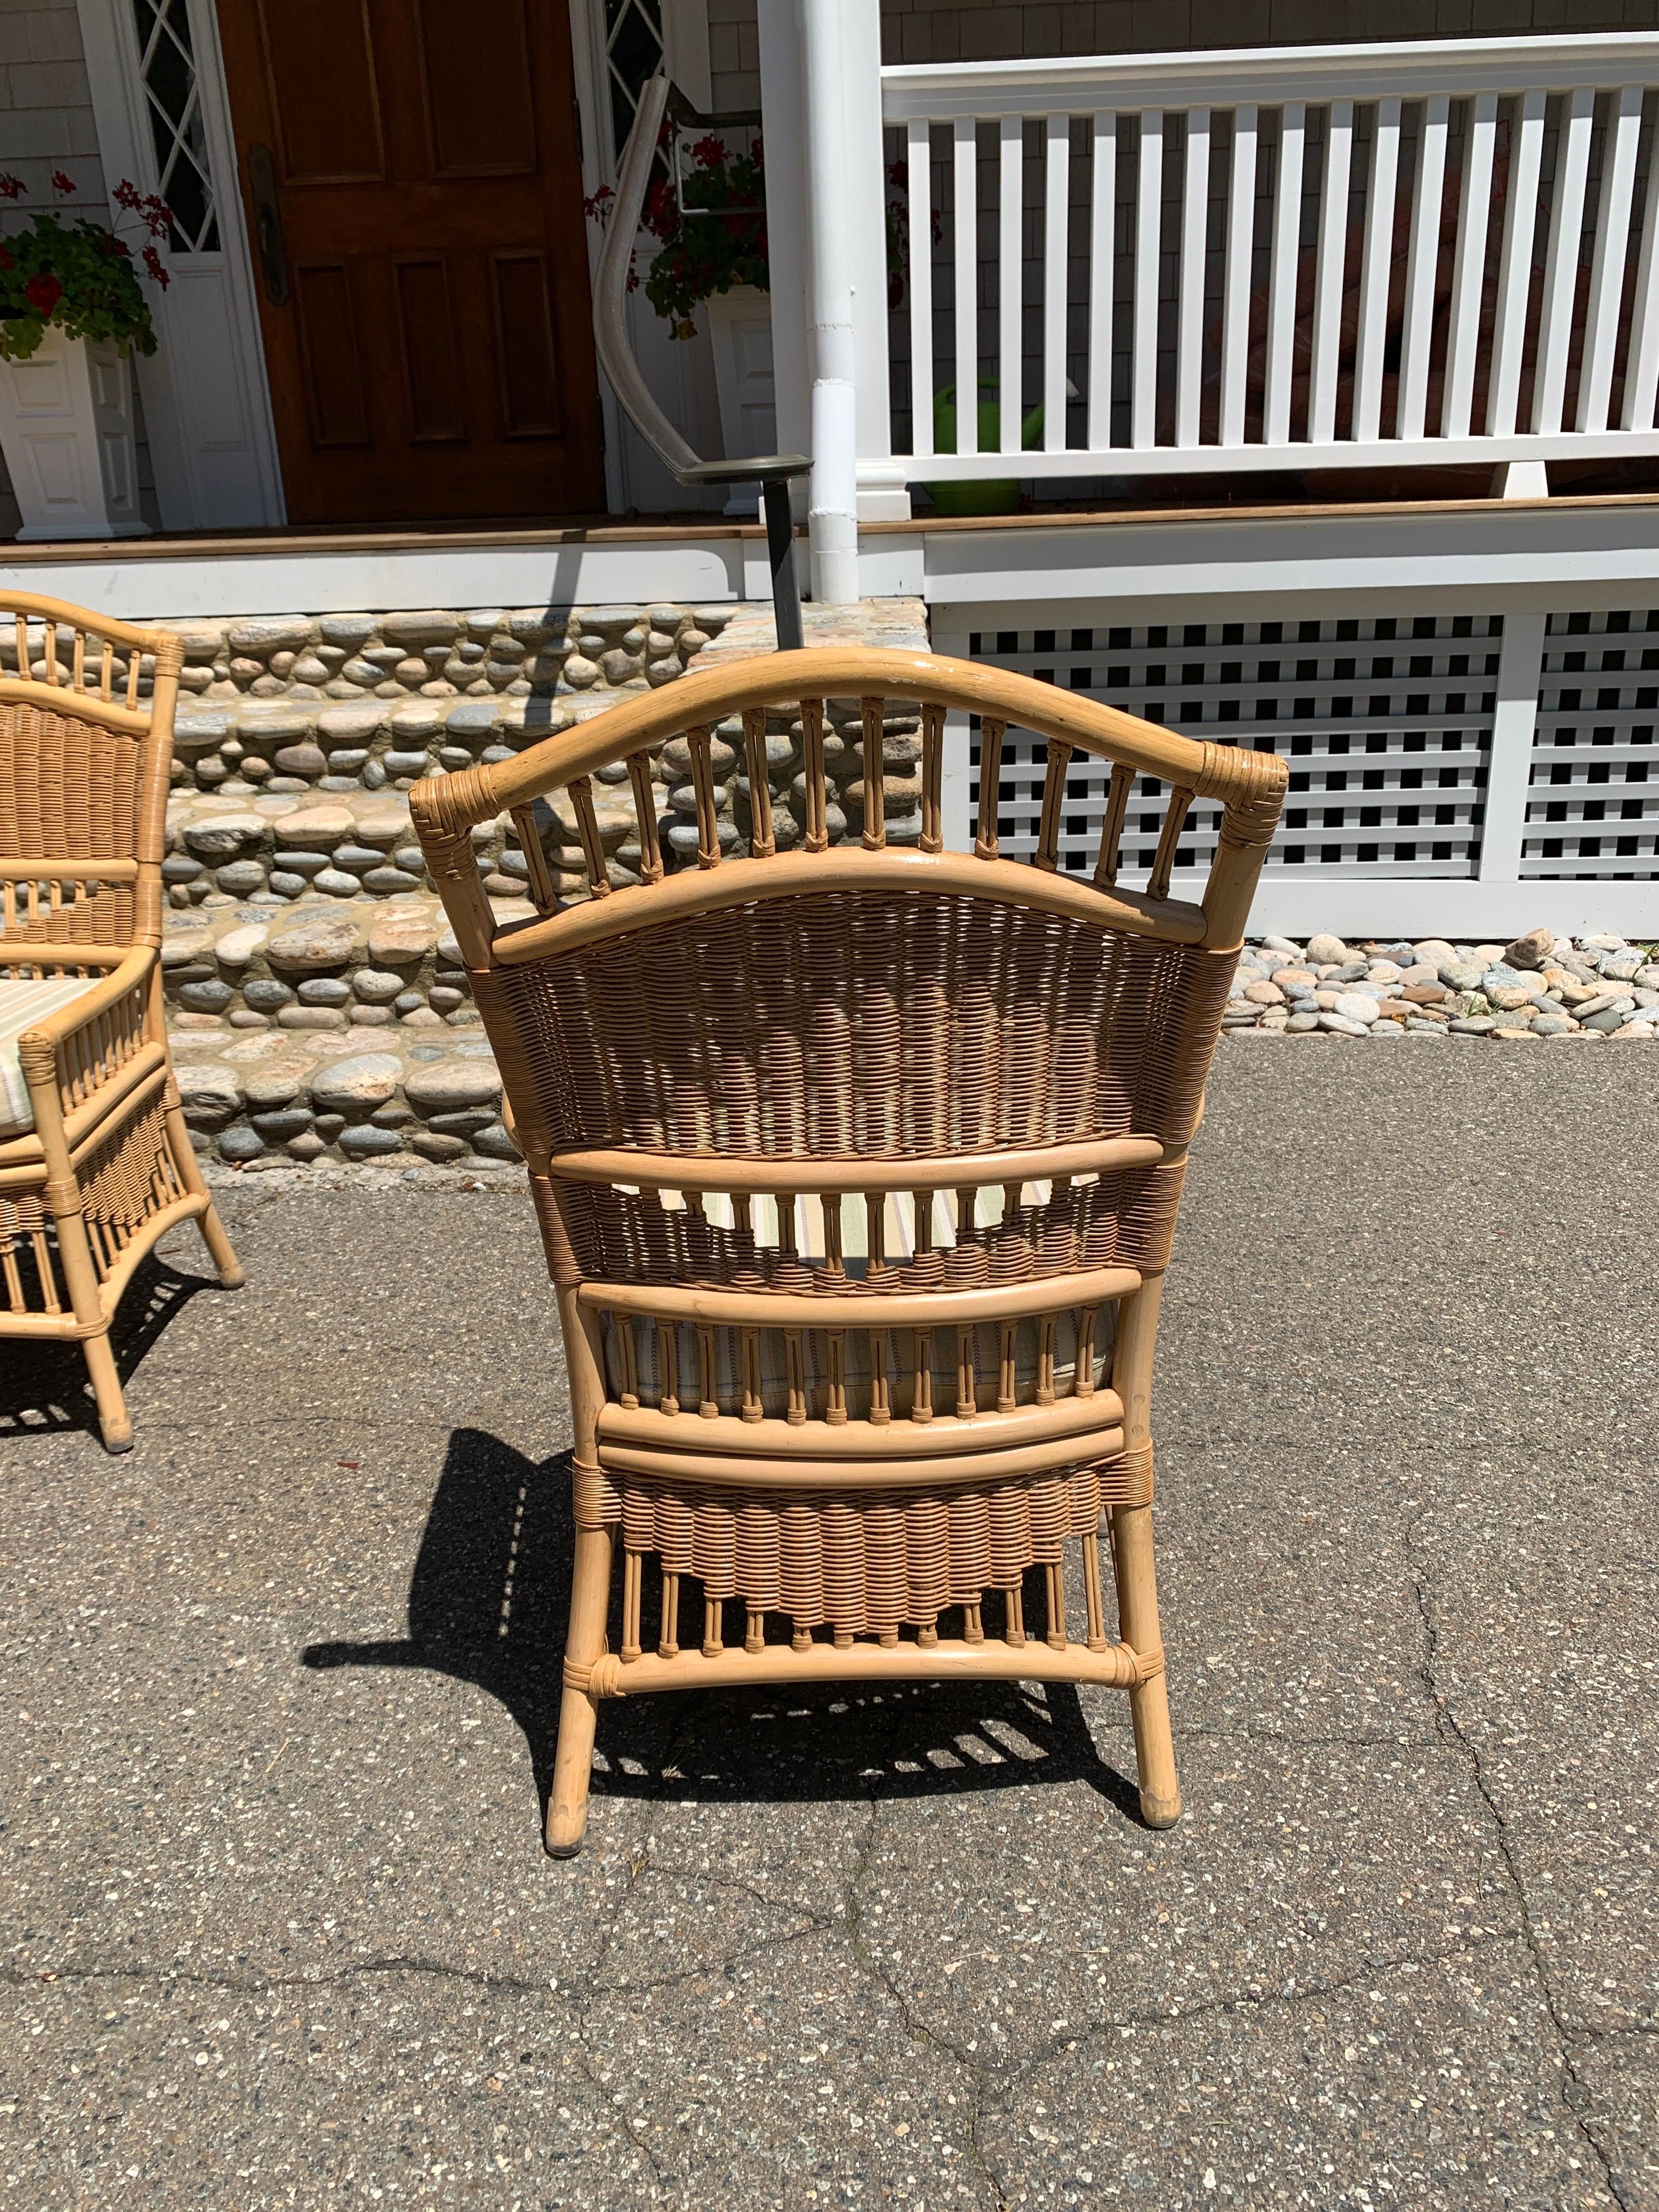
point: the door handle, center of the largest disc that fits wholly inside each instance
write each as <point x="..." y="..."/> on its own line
<point x="267" y="223"/>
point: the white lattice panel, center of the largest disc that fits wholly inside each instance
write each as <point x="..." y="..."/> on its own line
<point x="1386" y="724"/>
<point x="1593" y="806"/>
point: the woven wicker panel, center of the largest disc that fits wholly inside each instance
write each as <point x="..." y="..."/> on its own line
<point x="127" y="1179"/>
<point x="864" y="1562"/>
<point x="857" y="1024"/>
<point x="68" y="789"/>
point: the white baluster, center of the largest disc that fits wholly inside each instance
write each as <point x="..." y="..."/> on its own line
<point x="1236" y="308"/>
<point x="1103" y="216"/>
<point x="1194" y="237"/>
<point x="965" y="163"/>
<point x="1572" y="153"/>
<point x="1642" y="363"/>
<point x="919" y="181"/>
<point x="1375" y="271"/>
<point x="1056" y="231"/>
<point x="1468" y="272"/>
<point x="1420" y="270"/>
<point x="1149" y="197"/>
<point x="1607" y="273"/>
<point x="1333" y="255"/>
<point x="1515" y="272"/>
<point x="1281" y="294"/>
<point x="1010" y="340"/>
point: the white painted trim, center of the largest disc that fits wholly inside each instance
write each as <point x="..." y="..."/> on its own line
<point x="1266" y="76"/>
<point x="1509" y="770"/>
<point x="685" y="50"/>
<point x="587" y="19"/>
<point x="207" y="405"/>
<point x="1231" y="460"/>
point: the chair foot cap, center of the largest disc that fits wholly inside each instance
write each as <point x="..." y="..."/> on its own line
<point x="116" y="1445"/>
<point x="232" y="1279"/>
<point x="1159" y="1812"/>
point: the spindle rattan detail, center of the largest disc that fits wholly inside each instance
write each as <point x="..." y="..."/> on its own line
<point x="857" y="1167"/>
<point x="107" y="1168"/>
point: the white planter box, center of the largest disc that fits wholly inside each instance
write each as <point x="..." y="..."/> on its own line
<point x="740" y="332"/>
<point x="67" y="433"/>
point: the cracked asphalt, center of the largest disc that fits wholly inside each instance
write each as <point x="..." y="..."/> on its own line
<point x="280" y="1691"/>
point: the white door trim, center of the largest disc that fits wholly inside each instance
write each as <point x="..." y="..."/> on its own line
<point x="207" y="404"/>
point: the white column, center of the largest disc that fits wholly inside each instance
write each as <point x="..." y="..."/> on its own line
<point x="884" y="496"/>
<point x="835" y="193"/>
<point x="783" y="92"/>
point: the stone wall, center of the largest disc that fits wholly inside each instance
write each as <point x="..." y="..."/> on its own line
<point x="318" y="1007"/>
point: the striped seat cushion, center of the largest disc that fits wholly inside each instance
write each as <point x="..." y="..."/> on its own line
<point x="24" y="1005"/>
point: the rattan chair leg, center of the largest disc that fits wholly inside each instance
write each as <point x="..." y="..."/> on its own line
<point x="114" y="1422"/>
<point x="1132" y="1566"/>
<point x="231" y="1275"/>
<point x="573" y="1762"/>
<point x="87" y="1303"/>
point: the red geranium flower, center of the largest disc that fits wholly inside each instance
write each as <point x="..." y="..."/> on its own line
<point x="153" y="263"/>
<point x="12" y="188"/>
<point x="43" y="292"/>
<point x="126" y="195"/>
<point x="60" y="183"/>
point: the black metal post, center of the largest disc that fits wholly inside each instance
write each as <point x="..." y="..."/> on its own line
<point x="781" y="550"/>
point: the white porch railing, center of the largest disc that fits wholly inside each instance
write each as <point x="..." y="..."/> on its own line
<point x="1441" y="253"/>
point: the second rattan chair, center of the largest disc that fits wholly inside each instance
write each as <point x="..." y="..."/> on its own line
<point x="857" y="1167"/>
<point x="95" y="1160"/>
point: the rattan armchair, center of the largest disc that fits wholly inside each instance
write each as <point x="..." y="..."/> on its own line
<point x="857" y="1167"/>
<point x="95" y="1161"/>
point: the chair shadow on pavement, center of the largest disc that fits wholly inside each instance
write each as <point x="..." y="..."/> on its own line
<point x="487" y="1604"/>
<point x="43" y="1388"/>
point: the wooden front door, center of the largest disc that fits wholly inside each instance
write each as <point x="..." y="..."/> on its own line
<point x="410" y="173"/>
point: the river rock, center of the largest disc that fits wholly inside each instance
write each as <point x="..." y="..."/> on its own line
<point x="356" y="1086"/>
<point x="444" y="1085"/>
<point x="320" y="942"/>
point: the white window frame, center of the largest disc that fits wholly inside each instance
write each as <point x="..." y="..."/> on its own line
<point x="207" y="402"/>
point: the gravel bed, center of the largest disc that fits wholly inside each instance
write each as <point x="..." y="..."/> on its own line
<point x="1540" y="986"/>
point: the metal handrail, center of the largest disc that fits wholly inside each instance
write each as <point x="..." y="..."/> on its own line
<point x="616" y="354"/>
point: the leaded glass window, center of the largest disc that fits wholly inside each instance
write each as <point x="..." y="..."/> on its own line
<point x="633" y="54"/>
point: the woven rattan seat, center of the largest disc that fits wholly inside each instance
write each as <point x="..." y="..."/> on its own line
<point x="857" y="1167"/>
<point x="95" y="1161"/>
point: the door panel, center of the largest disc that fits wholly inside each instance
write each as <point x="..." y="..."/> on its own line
<point x="425" y="322"/>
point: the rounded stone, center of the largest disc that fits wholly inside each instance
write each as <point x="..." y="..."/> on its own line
<point x="356" y="1086"/>
<point x="238" y="946"/>
<point x="336" y="883"/>
<point x="311" y="1018"/>
<point x="1459" y="974"/>
<point x="324" y="991"/>
<point x="377" y="986"/>
<point x="179" y="868"/>
<point x="240" y="878"/>
<point x="205" y="998"/>
<point x="366" y="1141"/>
<point x="220" y="836"/>
<point x="240" y="1143"/>
<point x="495" y="1143"/>
<point x="285" y="884"/>
<point x="208" y="1093"/>
<point x="321" y="942"/>
<point x="409" y="1002"/>
<point x="301" y="760"/>
<point x="282" y="1123"/>
<point x="1356" y="1006"/>
<point x="306" y="1147"/>
<point x="266" y="994"/>
<point x="434" y="1146"/>
<point x="447" y="1085"/>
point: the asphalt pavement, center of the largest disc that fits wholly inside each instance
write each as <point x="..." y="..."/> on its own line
<point x="280" y="1687"/>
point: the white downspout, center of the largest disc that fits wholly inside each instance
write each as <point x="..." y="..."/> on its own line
<point x="833" y="511"/>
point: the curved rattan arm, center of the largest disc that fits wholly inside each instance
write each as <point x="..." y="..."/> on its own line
<point x="79" y="1062"/>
